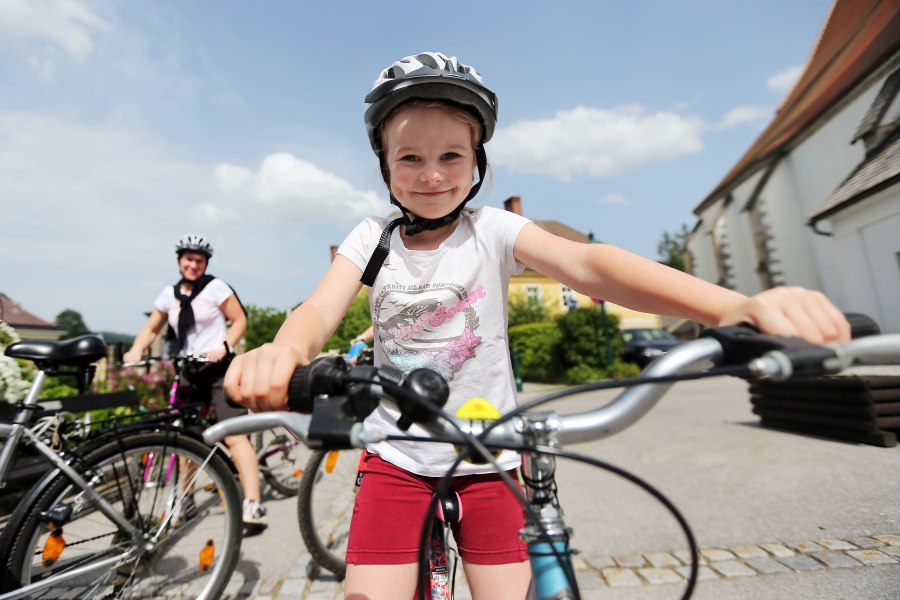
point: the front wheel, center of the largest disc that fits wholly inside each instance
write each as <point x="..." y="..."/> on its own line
<point x="188" y="510"/>
<point x="325" y="505"/>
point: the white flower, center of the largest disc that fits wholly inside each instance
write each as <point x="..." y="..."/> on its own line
<point x="13" y="386"/>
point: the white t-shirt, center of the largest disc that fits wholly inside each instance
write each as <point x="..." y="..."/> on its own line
<point x="209" y="330"/>
<point x="445" y="309"/>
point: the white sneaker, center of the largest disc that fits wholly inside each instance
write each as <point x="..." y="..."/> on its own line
<point x="255" y="513"/>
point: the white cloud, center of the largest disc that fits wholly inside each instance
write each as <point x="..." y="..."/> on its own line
<point x="783" y="80"/>
<point x="299" y="190"/>
<point x="65" y="23"/>
<point x="744" y="115"/>
<point x="618" y="199"/>
<point x="207" y="213"/>
<point x="595" y="142"/>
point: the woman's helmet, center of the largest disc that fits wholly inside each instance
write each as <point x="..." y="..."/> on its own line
<point x="193" y="243"/>
<point x="426" y="76"/>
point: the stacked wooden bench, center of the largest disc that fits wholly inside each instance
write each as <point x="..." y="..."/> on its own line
<point x="862" y="408"/>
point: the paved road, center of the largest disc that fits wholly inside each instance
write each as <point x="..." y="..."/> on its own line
<point x="779" y="515"/>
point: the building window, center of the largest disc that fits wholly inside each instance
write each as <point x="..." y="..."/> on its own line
<point x="568" y="299"/>
<point x="533" y="295"/>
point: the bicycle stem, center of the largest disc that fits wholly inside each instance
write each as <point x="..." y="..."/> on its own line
<point x="545" y="531"/>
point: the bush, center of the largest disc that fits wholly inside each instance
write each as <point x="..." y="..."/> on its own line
<point x="537" y="345"/>
<point x="582" y="338"/>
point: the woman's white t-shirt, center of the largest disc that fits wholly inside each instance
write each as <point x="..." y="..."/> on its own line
<point x="210" y="328"/>
<point x="445" y="309"/>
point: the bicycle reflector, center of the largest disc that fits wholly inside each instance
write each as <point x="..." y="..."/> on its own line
<point x="207" y="556"/>
<point x="53" y="547"/>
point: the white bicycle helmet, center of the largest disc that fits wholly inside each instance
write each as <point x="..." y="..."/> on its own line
<point x="193" y="243"/>
<point x="429" y="76"/>
<point x="426" y="76"/>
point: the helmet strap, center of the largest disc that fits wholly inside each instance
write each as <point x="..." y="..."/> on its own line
<point x="413" y="227"/>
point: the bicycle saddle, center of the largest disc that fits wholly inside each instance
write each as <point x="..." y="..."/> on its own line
<point x="79" y="350"/>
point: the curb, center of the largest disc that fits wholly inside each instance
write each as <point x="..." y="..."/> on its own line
<point x="642" y="570"/>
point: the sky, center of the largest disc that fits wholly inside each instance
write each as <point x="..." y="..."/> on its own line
<point x="125" y="125"/>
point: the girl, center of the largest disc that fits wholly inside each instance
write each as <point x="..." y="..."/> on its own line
<point x="438" y="280"/>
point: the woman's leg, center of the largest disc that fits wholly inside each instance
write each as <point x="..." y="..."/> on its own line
<point x="244" y="458"/>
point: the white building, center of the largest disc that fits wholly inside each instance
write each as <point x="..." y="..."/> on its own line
<point x="815" y="201"/>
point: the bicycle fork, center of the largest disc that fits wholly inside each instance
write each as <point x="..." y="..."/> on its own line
<point x="545" y="531"/>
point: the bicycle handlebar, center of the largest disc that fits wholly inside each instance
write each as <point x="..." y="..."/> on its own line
<point x="146" y="362"/>
<point x="338" y="396"/>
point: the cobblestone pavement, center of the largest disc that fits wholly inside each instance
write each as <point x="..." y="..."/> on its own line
<point x="597" y="573"/>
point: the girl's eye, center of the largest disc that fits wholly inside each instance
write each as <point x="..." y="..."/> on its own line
<point x="451" y="156"/>
<point x="409" y="158"/>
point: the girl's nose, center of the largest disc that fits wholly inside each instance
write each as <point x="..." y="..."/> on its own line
<point x="431" y="175"/>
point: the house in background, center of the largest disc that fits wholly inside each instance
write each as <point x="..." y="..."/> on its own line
<point x="815" y="201"/>
<point x="556" y="297"/>
<point x="27" y="325"/>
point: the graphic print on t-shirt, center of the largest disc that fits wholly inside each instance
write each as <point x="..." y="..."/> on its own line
<point x="431" y="325"/>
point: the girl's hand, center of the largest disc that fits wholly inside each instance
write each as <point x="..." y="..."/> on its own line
<point x="131" y="356"/>
<point x="791" y="311"/>
<point x="259" y="379"/>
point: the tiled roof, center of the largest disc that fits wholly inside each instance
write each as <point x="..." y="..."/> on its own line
<point x="564" y="231"/>
<point x="17" y="316"/>
<point x="881" y="170"/>
<point x="858" y="36"/>
<point x="883" y="100"/>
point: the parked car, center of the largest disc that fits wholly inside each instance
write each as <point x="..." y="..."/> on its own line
<point x="644" y="344"/>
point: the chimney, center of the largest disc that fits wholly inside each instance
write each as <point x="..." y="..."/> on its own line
<point x="513" y="204"/>
<point x="333" y="252"/>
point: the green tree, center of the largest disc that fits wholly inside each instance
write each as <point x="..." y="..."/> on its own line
<point x="71" y="321"/>
<point x="262" y="325"/>
<point x="524" y="310"/>
<point x="672" y="247"/>
<point x="357" y="319"/>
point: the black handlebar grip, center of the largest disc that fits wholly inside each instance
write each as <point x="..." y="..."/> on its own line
<point x="322" y="376"/>
<point x="861" y="325"/>
<point x="298" y="401"/>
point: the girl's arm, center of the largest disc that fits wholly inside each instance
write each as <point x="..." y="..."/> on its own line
<point x="259" y="378"/>
<point x="624" y="278"/>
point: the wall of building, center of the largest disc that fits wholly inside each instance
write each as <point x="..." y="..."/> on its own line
<point x="866" y="249"/>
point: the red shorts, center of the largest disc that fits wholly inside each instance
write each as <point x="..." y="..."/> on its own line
<point x="391" y="505"/>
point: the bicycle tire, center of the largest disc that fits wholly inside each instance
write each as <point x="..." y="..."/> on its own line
<point x="142" y="489"/>
<point x="283" y="469"/>
<point x="325" y="505"/>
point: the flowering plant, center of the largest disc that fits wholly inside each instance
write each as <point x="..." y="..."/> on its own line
<point x="13" y="383"/>
<point x="151" y="385"/>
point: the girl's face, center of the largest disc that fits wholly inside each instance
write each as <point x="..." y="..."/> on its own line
<point x="430" y="155"/>
<point x="192" y="265"/>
